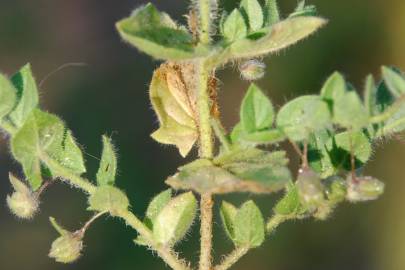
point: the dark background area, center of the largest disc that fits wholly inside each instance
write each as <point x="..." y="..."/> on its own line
<point x="109" y="96"/>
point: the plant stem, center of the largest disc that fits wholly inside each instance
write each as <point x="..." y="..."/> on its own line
<point x="204" y="112"/>
<point x="274" y="222"/>
<point x="206" y="205"/>
<point x="390" y="128"/>
<point x="220" y="133"/>
<point x="232" y="258"/>
<point x="205" y="8"/>
<point x="206" y="151"/>
<point x="165" y="253"/>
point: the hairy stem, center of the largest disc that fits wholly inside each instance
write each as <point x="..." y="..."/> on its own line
<point x="232" y="258"/>
<point x="206" y="151"/>
<point x="165" y="253"/>
<point x="206" y="205"/>
<point x="204" y="112"/>
<point x="274" y="222"/>
<point x="390" y="128"/>
<point x="205" y="9"/>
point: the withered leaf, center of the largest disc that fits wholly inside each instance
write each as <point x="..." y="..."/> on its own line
<point x="175" y="105"/>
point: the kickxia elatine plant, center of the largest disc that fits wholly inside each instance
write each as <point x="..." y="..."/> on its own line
<point x="333" y="133"/>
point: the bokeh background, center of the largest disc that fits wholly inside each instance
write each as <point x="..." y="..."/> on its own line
<point x="108" y="95"/>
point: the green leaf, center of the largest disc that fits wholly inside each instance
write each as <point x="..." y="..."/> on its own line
<point x="156" y="34"/>
<point x="71" y="156"/>
<point x="347" y="106"/>
<point x="370" y="95"/>
<point x="271" y="13"/>
<point x="108" y="164"/>
<point x="242" y="170"/>
<point x="44" y="133"/>
<point x="265" y="169"/>
<point x="274" y="38"/>
<point x="394" y="80"/>
<point x="328" y="153"/>
<point x="58" y="142"/>
<point x="228" y="213"/>
<point x="333" y="88"/>
<point x="303" y="10"/>
<point x="290" y="204"/>
<point x="234" y="26"/>
<point x="303" y="116"/>
<point x="344" y="103"/>
<point x="24" y="146"/>
<point x="261" y="137"/>
<point x="175" y="219"/>
<point x="27" y="95"/>
<point x="7" y="96"/>
<point x="253" y="13"/>
<point x="384" y="99"/>
<point x="174" y="105"/>
<point x="108" y="199"/>
<point x="318" y="154"/>
<point x="156" y="206"/>
<point x="340" y="146"/>
<point x="249" y="226"/>
<point x="256" y="112"/>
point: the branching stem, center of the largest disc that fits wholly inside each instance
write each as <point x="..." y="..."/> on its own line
<point x="204" y="112"/>
<point x="166" y="253"/>
<point x="232" y="258"/>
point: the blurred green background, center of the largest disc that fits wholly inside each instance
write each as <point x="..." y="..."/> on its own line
<point x="109" y="96"/>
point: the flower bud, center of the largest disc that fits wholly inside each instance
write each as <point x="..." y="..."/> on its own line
<point x="364" y="189"/>
<point x="252" y="70"/>
<point x="66" y="248"/>
<point x="310" y="188"/>
<point x="22" y="205"/>
<point x="23" y="202"/>
<point x="336" y="189"/>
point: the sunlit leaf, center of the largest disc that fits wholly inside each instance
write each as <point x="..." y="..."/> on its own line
<point x="7" y="96"/>
<point x="303" y="116"/>
<point x="156" y="34"/>
<point x="234" y="27"/>
<point x="253" y="13"/>
<point x="27" y="95"/>
<point x="257" y="111"/>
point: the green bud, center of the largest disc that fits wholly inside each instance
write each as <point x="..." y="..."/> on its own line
<point x="364" y="189"/>
<point x="310" y="188"/>
<point x="252" y="70"/>
<point x="336" y="189"/>
<point x="323" y="211"/>
<point x="66" y="248"/>
<point x="23" y="202"/>
<point x="175" y="218"/>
